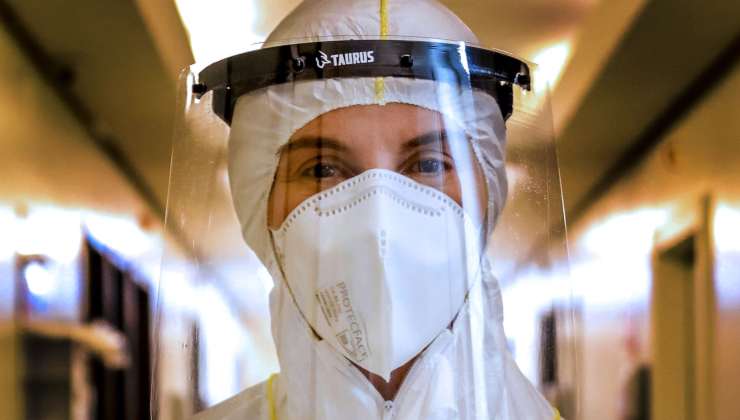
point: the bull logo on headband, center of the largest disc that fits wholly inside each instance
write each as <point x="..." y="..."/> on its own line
<point x="324" y="60"/>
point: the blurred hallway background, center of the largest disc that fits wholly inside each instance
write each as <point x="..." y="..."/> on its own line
<point x="641" y="316"/>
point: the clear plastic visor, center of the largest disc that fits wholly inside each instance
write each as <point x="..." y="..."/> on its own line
<point x="382" y="210"/>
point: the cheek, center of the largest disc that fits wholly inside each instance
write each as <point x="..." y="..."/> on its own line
<point x="283" y="196"/>
<point x="280" y="202"/>
<point x="469" y="189"/>
<point x="452" y="188"/>
<point x="276" y="207"/>
<point x="286" y="196"/>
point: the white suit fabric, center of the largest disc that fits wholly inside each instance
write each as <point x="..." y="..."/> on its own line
<point x="467" y="371"/>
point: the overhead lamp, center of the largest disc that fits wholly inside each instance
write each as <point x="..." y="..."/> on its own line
<point x="39" y="278"/>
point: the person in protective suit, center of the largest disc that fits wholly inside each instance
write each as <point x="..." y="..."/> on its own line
<point x="370" y="197"/>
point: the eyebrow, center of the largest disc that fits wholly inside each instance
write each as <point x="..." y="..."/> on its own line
<point x="439" y="136"/>
<point x="313" y="142"/>
<point x="320" y="142"/>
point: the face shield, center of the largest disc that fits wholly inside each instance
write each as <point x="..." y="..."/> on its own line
<point x="382" y="191"/>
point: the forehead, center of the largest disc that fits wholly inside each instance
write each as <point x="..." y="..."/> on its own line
<point x="390" y="121"/>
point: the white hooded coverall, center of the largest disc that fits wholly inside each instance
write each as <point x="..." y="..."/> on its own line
<point x="467" y="372"/>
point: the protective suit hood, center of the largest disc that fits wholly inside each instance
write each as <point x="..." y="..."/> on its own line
<point x="324" y="19"/>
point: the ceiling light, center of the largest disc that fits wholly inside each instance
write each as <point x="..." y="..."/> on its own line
<point x="219" y="28"/>
<point x="39" y="279"/>
<point x="551" y="62"/>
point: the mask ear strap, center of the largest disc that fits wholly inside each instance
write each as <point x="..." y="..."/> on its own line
<point x="284" y="279"/>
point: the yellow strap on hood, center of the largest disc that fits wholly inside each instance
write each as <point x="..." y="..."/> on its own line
<point x="379" y="82"/>
<point x="271" y="397"/>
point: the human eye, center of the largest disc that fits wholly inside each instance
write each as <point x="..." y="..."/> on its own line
<point x="323" y="169"/>
<point x="428" y="165"/>
<point x="320" y="170"/>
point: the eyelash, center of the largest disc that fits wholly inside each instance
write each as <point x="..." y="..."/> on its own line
<point x="418" y="159"/>
<point x="309" y="170"/>
<point x="312" y="170"/>
<point x="412" y="166"/>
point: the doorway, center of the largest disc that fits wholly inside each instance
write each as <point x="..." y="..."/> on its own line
<point x="682" y="324"/>
<point x="115" y="298"/>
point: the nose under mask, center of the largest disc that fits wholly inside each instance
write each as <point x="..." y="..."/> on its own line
<point x="379" y="266"/>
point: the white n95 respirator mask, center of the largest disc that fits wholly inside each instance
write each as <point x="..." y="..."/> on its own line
<point x="379" y="266"/>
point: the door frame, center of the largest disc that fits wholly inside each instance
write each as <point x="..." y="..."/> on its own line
<point x="695" y="225"/>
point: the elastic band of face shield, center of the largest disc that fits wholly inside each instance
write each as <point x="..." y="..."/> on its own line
<point x="459" y="64"/>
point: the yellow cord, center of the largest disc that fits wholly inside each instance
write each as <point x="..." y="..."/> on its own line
<point x="557" y="415"/>
<point x="379" y="82"/>
<point x="379" y="90"/>
<point x="383" y="18"/>
<point x="271" y="397"/>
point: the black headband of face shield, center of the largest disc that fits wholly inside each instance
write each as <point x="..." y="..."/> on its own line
<point x="465" y="66"/>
